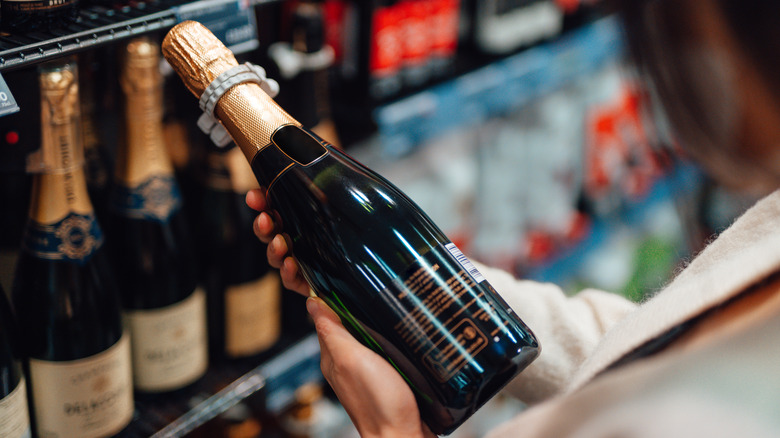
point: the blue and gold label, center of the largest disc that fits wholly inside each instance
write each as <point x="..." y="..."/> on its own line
<point x="75" y="238"/>
<point x="157" y="199"/>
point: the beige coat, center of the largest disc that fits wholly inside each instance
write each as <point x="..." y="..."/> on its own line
<point x="724" y="388"/>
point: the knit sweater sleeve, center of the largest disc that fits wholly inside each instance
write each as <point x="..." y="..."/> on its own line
<point x="567" y="327"/>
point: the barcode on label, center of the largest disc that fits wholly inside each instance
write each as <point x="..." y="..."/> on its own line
<point x="464" y="262"/>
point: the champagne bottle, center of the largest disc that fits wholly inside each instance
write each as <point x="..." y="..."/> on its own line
<point x="14" y="417"/>
<point x="309" y="89"/>
<point x="244" y="292"/>
<point x="78" y="359"/>
<point x="398" y="284"/>
<point x="164" y="308"/>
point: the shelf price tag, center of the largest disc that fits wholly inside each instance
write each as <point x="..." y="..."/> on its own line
<point x="8" y="104"/>
<point x="232" y="21"/>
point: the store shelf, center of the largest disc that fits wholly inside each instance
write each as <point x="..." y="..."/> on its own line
<point x="273" y="381"/>
<point x="497" y="88"/>
<point x="96" y="26"/>
<point x="679" y="183"/>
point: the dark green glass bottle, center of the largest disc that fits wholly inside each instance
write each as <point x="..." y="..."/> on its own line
<point x="398" y="284"/>
<point x="70" y="327"/>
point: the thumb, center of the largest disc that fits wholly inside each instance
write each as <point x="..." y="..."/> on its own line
<point x="336" y="343"/>
<point x="326" y="321"/>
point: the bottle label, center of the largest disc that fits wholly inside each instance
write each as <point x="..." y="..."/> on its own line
<point x="14" y="418"/>
<point x="36" y="5"/>
<point x="156" y="199"/>
<point x="75" y="238"/>
<point x="452" y="316"/>
<point x="169" y="344"/>
<point x="252" y="315"/>
<point x="85" y="398"/>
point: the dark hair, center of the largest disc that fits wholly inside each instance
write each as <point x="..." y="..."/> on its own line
<point x="696" y="86"/>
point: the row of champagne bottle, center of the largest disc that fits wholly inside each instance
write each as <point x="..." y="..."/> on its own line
<point x="118" y="303"/>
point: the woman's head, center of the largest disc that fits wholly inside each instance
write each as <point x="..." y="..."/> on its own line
<point x="715" y="67"/>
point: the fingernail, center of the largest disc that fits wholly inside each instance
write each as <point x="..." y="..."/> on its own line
<point x="263" y="217"/>
<point x="314" y="306"/>
<point x="275" y="243"/>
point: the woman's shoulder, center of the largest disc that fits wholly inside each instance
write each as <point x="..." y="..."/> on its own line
<point x="724" y="389"/>
<point x="747" y="252"/>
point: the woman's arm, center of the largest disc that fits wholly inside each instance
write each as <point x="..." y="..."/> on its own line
<point x="375" y="396"/>
<point x="568" y="329"/>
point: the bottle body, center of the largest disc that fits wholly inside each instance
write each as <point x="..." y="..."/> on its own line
<point x="77" y="355"/>
<point x="244" y="293"/>
<point x="398" y="284"/>
<point x="14" y="416"/>
<point x="396" y="281"/>
<point x="163" y="307"/>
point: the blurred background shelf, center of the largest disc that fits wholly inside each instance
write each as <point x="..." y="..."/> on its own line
<point x="497" y="88"/>
<point x="268" y="387"/>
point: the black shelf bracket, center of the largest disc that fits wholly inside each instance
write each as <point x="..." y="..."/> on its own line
<point x="96" y="26"/>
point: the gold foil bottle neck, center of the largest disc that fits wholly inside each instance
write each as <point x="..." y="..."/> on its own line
<point x="196" y="55"/>
<point x="61" y="148"/>
<point x="142" y="154"/>
<point x="141" y="66"/>
<point x="246" y="111"/>
<point x="59" y="186"/>
<point x="60" y="93"/>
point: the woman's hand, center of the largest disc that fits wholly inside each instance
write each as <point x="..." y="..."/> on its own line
<point x="278" y="249"/>
<point x="376" y="397"/>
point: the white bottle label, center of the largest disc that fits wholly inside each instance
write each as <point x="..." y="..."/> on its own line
<point x="14" y="418"/>
<point x="84" y="398"/>
<point x="252" y="315"/>
<point x="465" y="262"/>
<point x="169" y="344"/>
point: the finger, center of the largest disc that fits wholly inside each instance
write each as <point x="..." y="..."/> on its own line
<point x="336" y="339"/>
<point x="329" y="329"/>
<point x="326" y="358"/>
<point x="264" y="227"/>
<point x="277" y="251"/>
<point x="292" y="277"/>
<point x="255" y="199"/>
